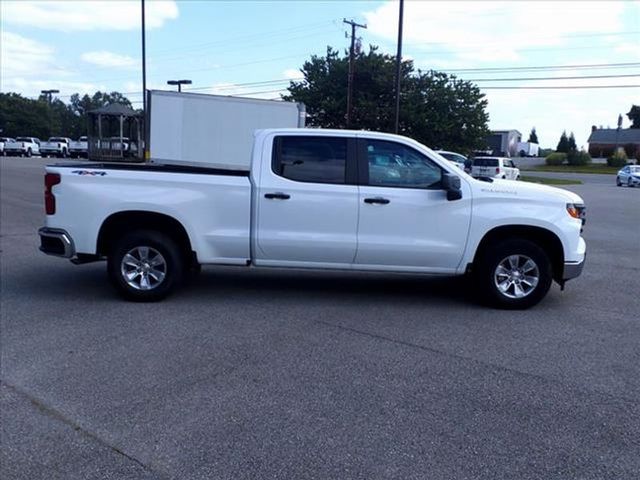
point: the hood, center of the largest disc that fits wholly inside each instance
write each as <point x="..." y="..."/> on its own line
<point x="520" y="189"/>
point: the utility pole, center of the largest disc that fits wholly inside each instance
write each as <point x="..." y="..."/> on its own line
<point x="145" y="125"/>
<point x="399" y="65"/>
<point x="354" y="25"/>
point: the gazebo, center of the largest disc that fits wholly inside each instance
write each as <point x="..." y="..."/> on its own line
<point x="116" y="134"/>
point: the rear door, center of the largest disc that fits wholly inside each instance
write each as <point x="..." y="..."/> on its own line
<point x="406" y="221"/>
<point x="307" y="202"/>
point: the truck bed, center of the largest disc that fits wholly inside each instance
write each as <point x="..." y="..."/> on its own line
<point x="213" y="206"/>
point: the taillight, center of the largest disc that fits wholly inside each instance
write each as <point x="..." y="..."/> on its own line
<point x="50" y="179"/>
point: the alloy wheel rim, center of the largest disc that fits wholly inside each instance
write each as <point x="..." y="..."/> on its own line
<point x="516" y="276"/>
<point x="143" y="268"/>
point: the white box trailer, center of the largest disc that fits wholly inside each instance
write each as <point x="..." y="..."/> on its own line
<point x="528" y="149"/>
<point x="212" y="130"/>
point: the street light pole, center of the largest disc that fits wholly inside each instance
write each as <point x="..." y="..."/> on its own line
<point x="179" y="83"/>
<point x="49" y="95"/>
<point x="399" y="65"/>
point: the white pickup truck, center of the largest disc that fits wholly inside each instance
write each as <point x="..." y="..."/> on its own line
<point x="317" y="199"/>
<point x="55" y="147"/>
<point x="22" y="147"/>
<point x="79" y="148"/>
<point x="3" y="142"/>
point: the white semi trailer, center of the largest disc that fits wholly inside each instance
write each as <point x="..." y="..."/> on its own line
<point x="211" y="130"/>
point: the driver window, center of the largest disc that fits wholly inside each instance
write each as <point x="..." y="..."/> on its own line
<point x="394" y="165"/>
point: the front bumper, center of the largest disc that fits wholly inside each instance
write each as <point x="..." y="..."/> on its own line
<point x="57" y="242"/>
<point x="572" y="269"/>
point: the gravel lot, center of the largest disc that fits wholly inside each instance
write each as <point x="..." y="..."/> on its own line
<point x="298" y="375"/>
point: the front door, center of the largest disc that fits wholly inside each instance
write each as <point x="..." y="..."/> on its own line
<point x="406" y="221"/>
<point x="307" y="204"/>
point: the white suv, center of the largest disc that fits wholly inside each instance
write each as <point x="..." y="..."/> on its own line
<point x="495" y="167"/>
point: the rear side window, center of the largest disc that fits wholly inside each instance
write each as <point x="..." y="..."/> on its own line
<point x="485" y="162"/>
<point x="310" y="159"/>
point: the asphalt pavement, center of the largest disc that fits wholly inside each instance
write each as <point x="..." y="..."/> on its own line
<point x="248" y="374"/>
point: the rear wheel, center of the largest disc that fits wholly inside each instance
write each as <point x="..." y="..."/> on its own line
<point x="29" y="153"/>
<point x="145" y="266"/>
<point x="513" y="274"/>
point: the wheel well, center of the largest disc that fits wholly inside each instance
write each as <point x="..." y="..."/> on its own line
<point x="123" y="222"/>
<point x="544" y="238"/>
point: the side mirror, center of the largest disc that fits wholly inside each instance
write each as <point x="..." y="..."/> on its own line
<point x="452" y="185"/>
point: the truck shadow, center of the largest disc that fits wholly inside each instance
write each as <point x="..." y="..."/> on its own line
<point x="238" y="284"/>
<point x="297" y="285"/>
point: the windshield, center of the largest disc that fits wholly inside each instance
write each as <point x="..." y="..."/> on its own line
<point x="453" y="156"/>
<point x="82" y="139"/>
<point x="23" y="139"/>
<point x="57" y="139"/>
<point x="485" y="162"/>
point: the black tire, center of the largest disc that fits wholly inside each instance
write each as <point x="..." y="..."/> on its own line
<point x="156" y="241"/>
<point x="618" y="182"/>
<point x="629" y="183"/>
<point x="63" y="154"/>
<point x="29" y="153"/>
<point x="485" y="274"/>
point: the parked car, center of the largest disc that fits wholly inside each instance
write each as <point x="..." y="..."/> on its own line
<point x="3" y="141"/>
<point x="55" y="147"/>
<point x="79" y="148"/>
<point x="629" y="176"/>
<point x="495" y="167"/>
<point x="23" y="147"/>
<point x="456" y="158"/>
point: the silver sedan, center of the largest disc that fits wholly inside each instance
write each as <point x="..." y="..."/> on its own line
<point x="629" y="176"/>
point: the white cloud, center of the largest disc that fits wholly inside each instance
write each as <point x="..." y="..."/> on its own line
<point x="21" y="55"/>
<point x="292" y="74"/>
<point x="104" y="58"/>
<point x="89" y="15"/>
<point x="492" y="31"/>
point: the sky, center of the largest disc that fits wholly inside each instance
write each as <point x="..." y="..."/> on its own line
<point x="253" y="49"/>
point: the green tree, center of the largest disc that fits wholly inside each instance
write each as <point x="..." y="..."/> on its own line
<point x="435" y="108"/>
<point x="533" y="136"/>
<point x="572" y="143"/>
<point x="563" y="144"/>
<point x="23" y="116"/>
<point x="634" y="116"/>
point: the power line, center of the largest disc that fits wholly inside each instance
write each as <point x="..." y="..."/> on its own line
<point x="548" y="67"/>
<point x="577" y="35"/>
<point x="564" y="87"/>
<point x="520" y="79"/>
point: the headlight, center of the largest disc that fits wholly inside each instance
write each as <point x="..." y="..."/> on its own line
<point x="577" y="210"/>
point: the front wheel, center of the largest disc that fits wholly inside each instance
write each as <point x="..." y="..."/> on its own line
<point x="618" y="182"/>
<point x="145" y="266"/>
<point x="29" y="153"/>
<point x="629" y="183"/>
<point x="514" y="274"/>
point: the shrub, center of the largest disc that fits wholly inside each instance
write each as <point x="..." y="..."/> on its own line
<point x="557" y="158"/>
<point x="618" y="159"/>
<point x="578" y="158"/>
